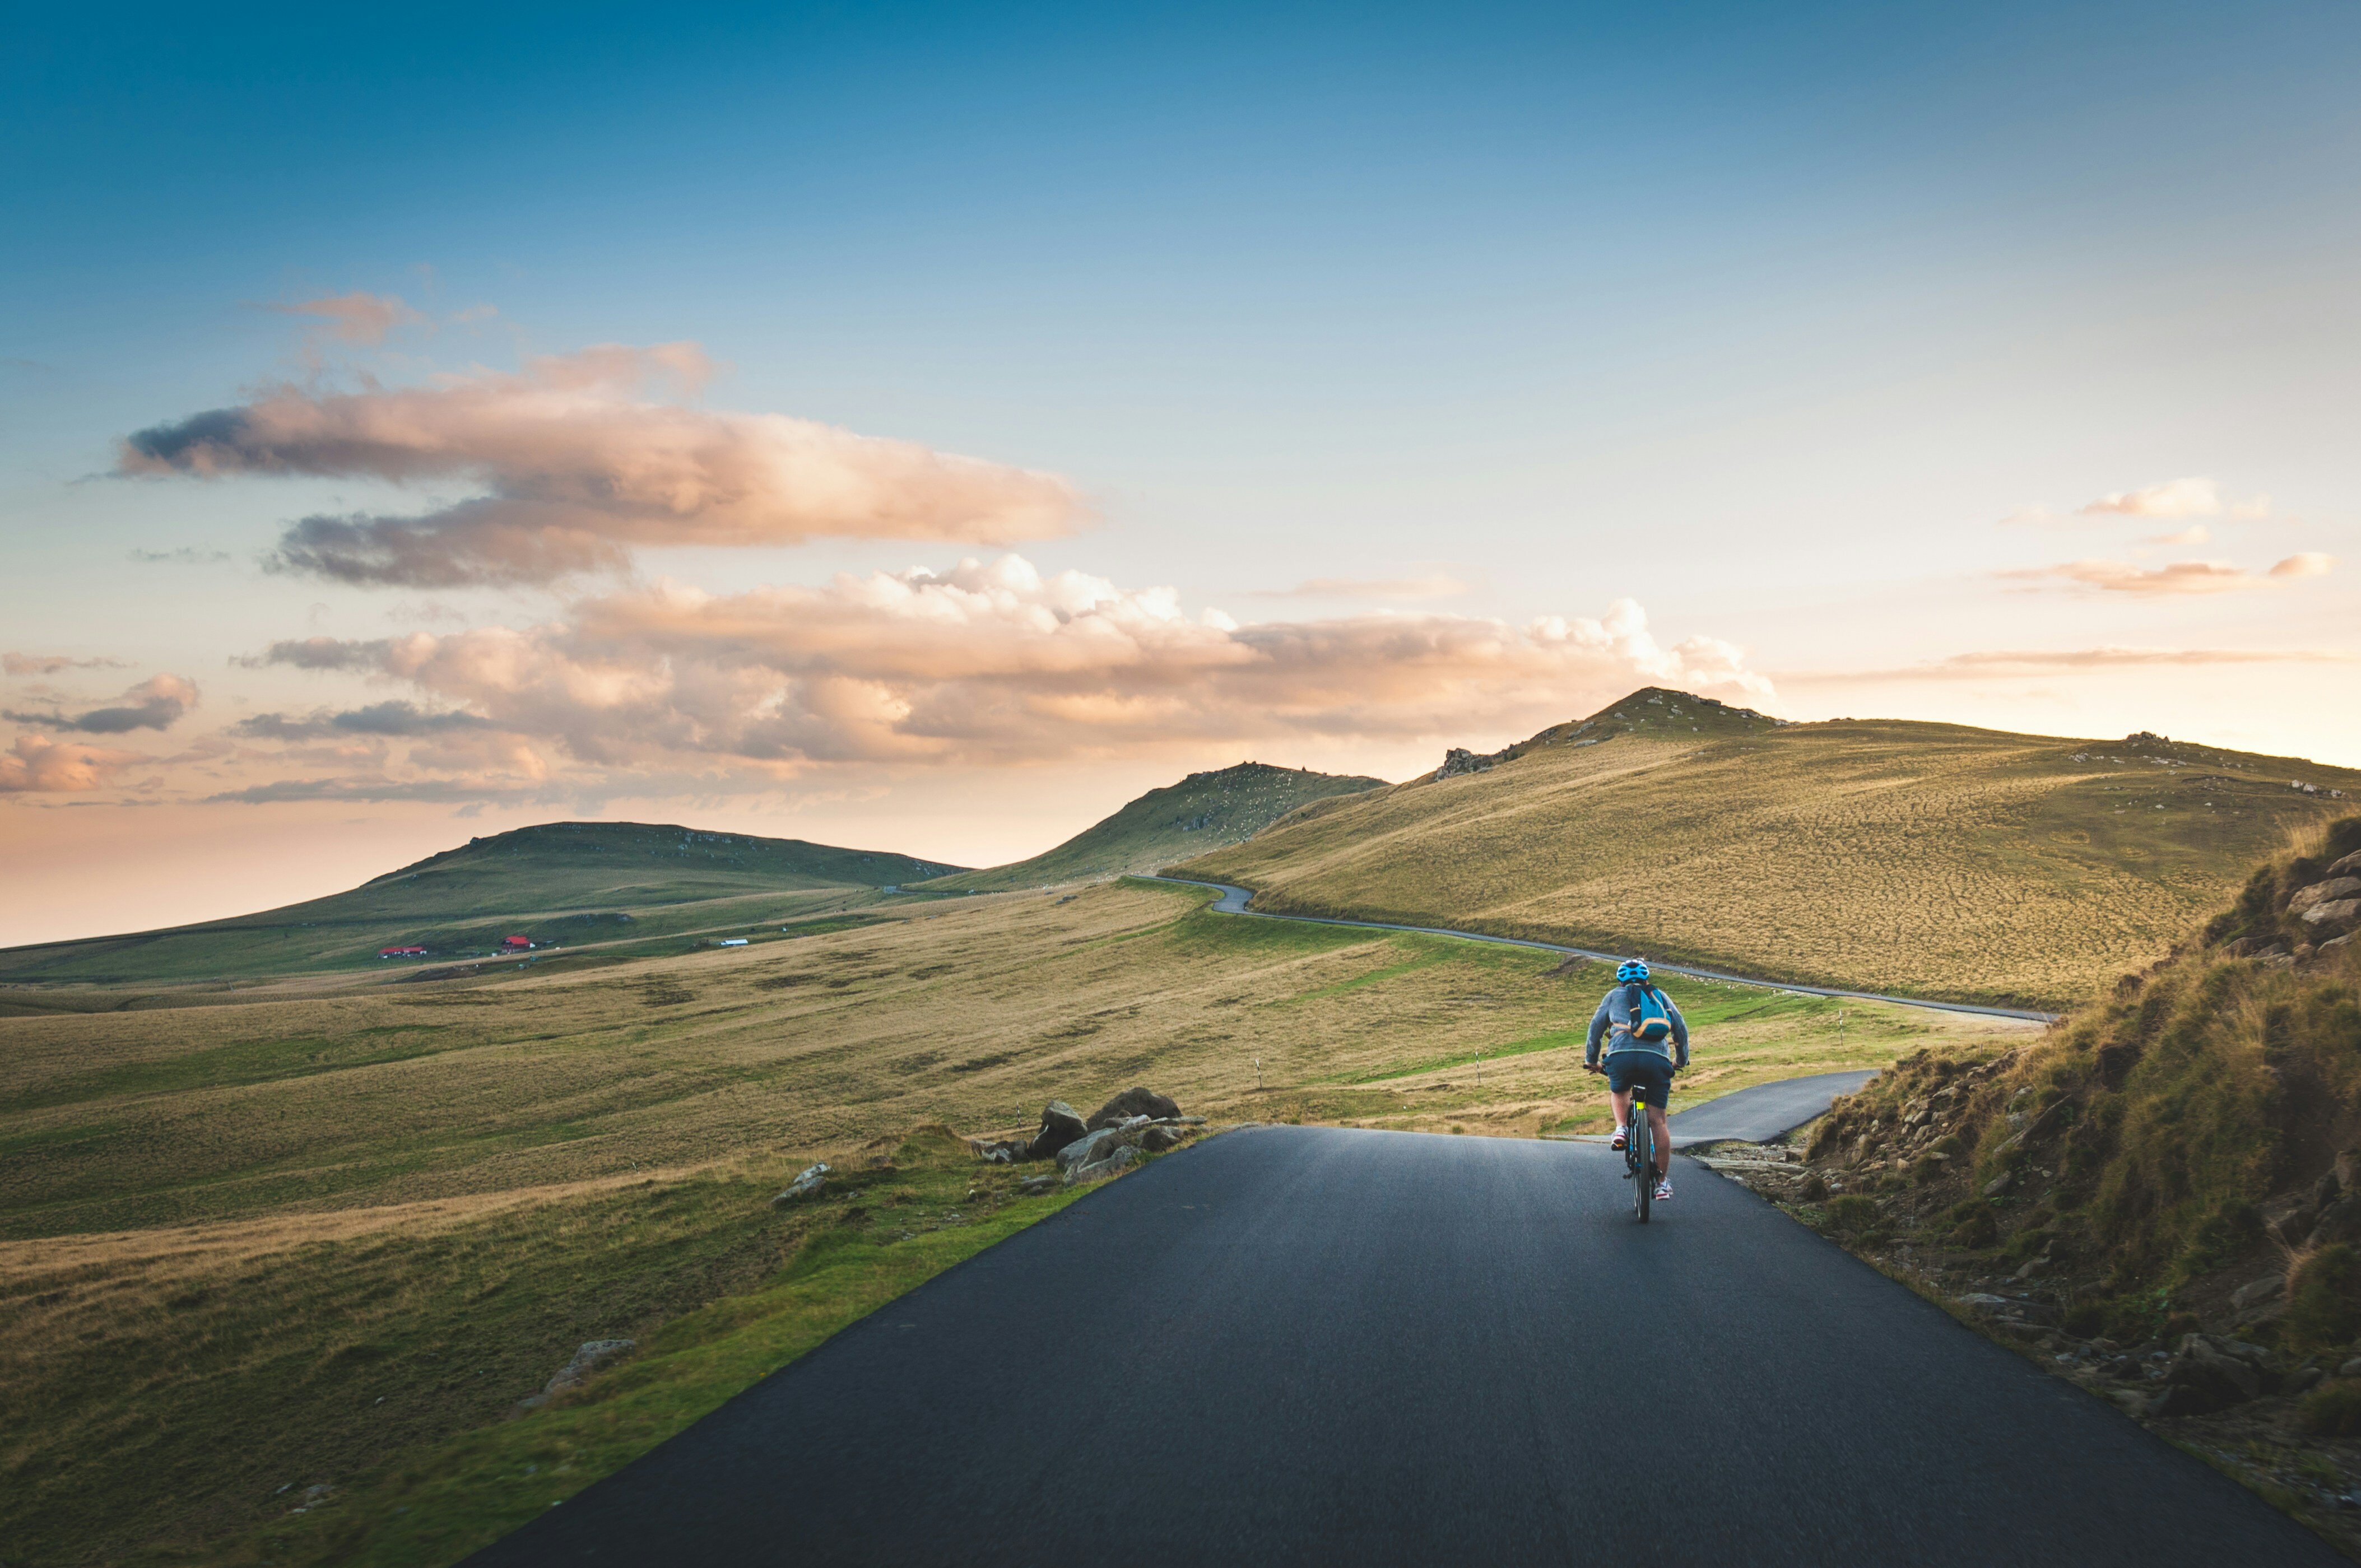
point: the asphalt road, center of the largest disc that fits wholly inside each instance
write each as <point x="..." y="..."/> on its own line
<point x="1763" y="1113"/>
<point x="1234" y="900"/>
<point x="1322" y="1346"/>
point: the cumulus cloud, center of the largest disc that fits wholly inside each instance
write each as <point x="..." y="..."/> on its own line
<point x="2180" y="577"/>
<point x="37" y="763"/>
<point x="357" y="317"/>
<point x="579" y="466"/>
<point x="51" y="663"/>
<point x="2174" y="498"/>
<point x="2306" y="564"/>
<point x="995" y="663"/>
<point x="2195" y="534"/>
<point x="156" y="703"/>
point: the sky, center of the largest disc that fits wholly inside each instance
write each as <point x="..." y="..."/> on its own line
<point x="926" y="427"/>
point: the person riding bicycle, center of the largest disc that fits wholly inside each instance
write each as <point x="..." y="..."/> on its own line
<point x="1648" y="1041"/>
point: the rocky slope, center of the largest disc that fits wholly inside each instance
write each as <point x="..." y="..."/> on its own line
<point x="2161" y="1200"/>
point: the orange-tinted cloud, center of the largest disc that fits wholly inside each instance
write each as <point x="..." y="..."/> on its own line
<point x="36" y="763"/>
<point x="51" y="663"/>
<point x="580" y="465"/>
<point x="355" y="317"/>
<point x="1988" y="663"/>
<point x="1400" y="590"/>
<point x="2180" y="577"/>
<point x="995" y="662"/>
<point x="2175" y="497"/>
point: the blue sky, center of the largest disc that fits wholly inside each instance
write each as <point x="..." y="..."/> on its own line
<point x="1763" y="317"/>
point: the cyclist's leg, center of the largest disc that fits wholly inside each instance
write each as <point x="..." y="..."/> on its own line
<point x="1659" y="1093"/>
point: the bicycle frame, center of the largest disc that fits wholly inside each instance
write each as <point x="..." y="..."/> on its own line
<point x="1640" y="1158"/>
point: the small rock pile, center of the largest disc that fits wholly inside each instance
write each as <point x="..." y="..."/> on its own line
<point x="1106" y="1142"/>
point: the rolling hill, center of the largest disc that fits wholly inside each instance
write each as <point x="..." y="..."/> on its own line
<point x="1204" y="811"/>
<point x="1924" y="859"/>
<point x="561" y="883"/>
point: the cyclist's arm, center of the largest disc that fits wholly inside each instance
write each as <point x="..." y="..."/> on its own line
<point x="1680" y="1036"/>
<point x="1598" y="1032"/>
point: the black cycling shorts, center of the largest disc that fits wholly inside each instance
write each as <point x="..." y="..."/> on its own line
<point x="1646" y="1072"/>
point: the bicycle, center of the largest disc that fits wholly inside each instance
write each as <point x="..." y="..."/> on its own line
<point x="1639" y="1155"/>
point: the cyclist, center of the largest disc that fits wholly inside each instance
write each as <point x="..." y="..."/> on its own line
<point x="1647" y="1042"/>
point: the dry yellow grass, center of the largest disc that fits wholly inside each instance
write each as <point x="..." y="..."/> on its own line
<point x="1919" y="858"/>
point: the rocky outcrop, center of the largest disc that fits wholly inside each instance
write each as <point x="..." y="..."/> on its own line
<point x="1133" y="1102"/>
<point x="1459" y="759"/>
<point x="593" y="1354"/>
<point x="1060" y="1125"/>
<point x="813" y="1178"/>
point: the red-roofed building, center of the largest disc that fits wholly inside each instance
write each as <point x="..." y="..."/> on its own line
<point x="401" y="952"/>
<point x="516" y="943"/>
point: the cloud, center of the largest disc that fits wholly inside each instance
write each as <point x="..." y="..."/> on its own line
<point x="2180" y="577"/>
<point x="357" y="317"/>
<point x="36" y="763"/>
<point x="156" y="703"/>
<point x="389" y="719"/>
<point x="184" y="556"/>
<point x="2194" y="534"/>
<point x="2307" y="563"/>
<point x="50" y="663"/>
<point x="2174" y="498"/>
<point x="1398" y="589"/>
<point x="376" y="789"/>
<point x="2002" y="663"/>
<point x="580" y="466"/>
<point x="996" y="663"/>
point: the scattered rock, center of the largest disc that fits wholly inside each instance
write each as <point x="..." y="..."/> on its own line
<point x="2269" y="1287"/>
<point x="1122" y="1159"/>
<point x="813" y="1178"/>
<point x="1131" y="1103"/>
<point x="2351" y="1368"/>
<point x="2336" y="888"/>
<point x="1999" y="1184"/>
<point x="1088" y="1147"/>
<point x="593" y="1354"/>
<point x="2344" y="912"/>
<point x="1060" y="1125"/>
<point x="1159" y="1138"/>
<point x="2340" y="1222"/>
<point x="1034" y="1186"/>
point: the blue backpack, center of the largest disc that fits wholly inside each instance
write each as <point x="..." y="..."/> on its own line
<point x="1649" y="1019"/>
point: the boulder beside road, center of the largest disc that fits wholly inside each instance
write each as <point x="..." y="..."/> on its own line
<point x="1060" y="1125"/>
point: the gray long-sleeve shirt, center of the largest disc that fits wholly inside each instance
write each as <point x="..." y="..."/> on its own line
<point x="1614" y="1015"/>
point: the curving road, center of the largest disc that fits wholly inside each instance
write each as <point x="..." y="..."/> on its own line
<point x="1234" y="900"/>
<point x="1317" y="1345"/>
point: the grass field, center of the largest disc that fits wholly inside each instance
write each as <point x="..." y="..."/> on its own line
<point x="617" y="888"/>
<point x="1919" y="859"/>
<point x="1204" y="811"/>
<point x="230" y="1224"/>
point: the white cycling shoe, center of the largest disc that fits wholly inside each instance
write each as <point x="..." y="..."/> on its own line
<point x="1621" y="1139"/>
<point x="1664" y="1189"/>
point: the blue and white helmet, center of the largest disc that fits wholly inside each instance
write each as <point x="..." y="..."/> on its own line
<point x="1631" y="969"/>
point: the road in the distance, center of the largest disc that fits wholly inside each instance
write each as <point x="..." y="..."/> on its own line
<point x="1234" y="900"/>
<point x="1315" y="1345"/>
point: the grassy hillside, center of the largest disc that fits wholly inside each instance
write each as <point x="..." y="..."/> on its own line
<point x="571" y="883"/>
<point x="230" y="1226"/>
<point x="1923" y="858"/>
<point x="1202" y="812"/>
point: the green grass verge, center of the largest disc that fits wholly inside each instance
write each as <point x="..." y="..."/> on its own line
<point x="479" y="1486"/>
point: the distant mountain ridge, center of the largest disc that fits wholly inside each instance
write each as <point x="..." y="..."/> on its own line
<point x="1878" y="854"/>
<point x="1204" y="811"/>
<point x="572" y="881"/>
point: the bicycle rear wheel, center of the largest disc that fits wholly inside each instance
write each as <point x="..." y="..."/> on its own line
<point x="1644" y="1161"/>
